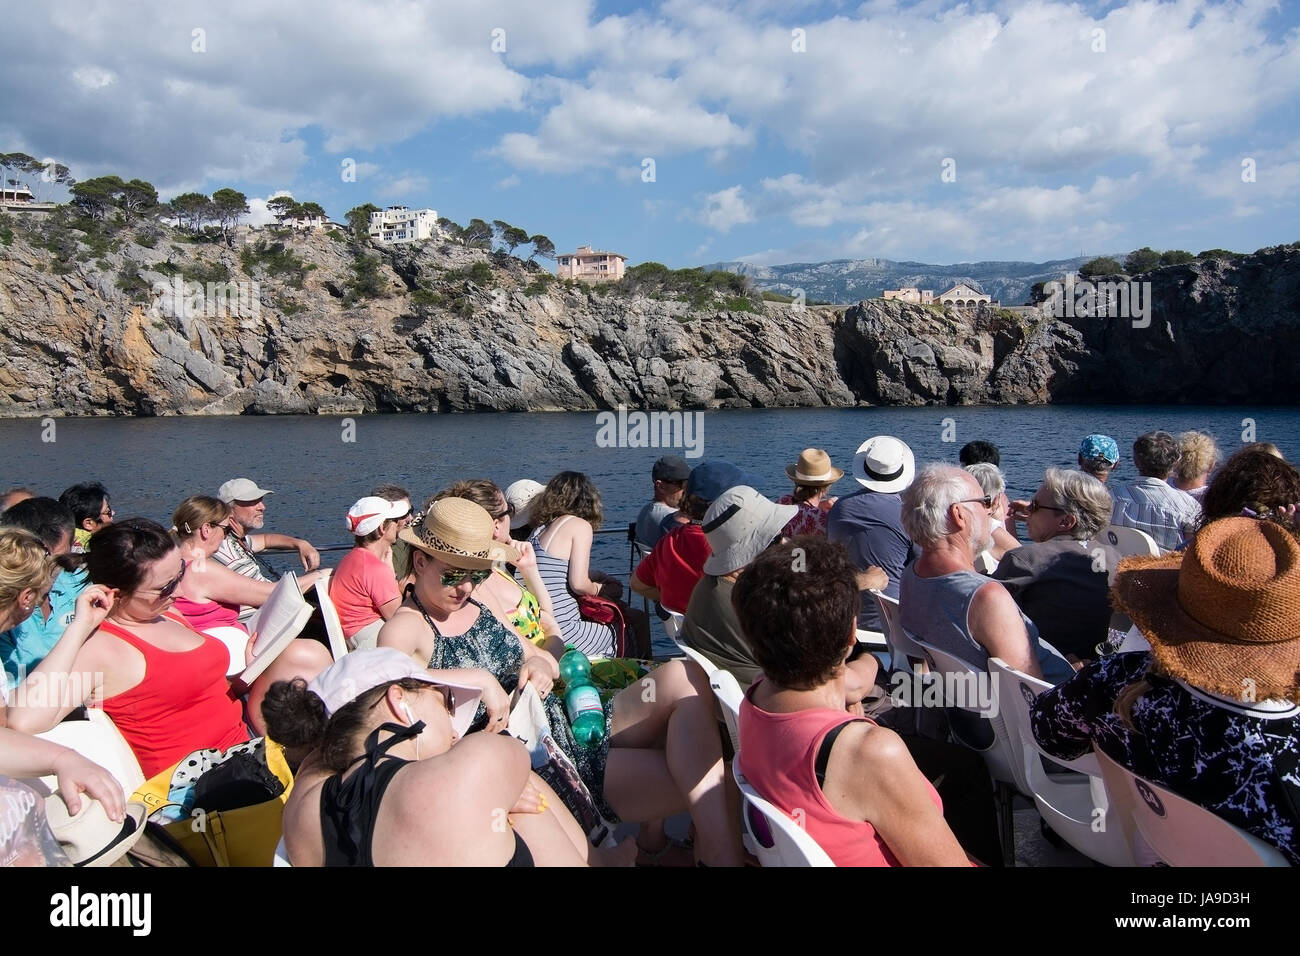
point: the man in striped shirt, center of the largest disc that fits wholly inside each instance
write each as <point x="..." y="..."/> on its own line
<point x="1149" y="503"/>
<point x="239" y="550"/>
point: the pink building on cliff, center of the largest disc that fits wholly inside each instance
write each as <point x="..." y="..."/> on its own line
<point x="591" y="265"/>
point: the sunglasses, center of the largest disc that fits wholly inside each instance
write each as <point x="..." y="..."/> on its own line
<point x="986" y="501"/>
<point x="1034" y="506"/>
<point x="454" y="577"/>
<point x="508" y="513"/>
<point x="168" y="589"/>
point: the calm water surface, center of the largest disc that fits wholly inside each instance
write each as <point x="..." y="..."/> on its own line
<point x="149" y="465"/>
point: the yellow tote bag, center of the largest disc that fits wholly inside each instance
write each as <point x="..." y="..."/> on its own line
<point x="246" y="836"/>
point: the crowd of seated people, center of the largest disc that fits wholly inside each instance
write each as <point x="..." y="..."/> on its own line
<point x="451" y="609"/>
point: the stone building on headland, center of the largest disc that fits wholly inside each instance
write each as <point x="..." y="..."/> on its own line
<point x="963" y="296"/>
<point x="910" y="294"/>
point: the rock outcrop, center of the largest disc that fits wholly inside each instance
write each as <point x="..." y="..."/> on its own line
<point x="436" y="331"/>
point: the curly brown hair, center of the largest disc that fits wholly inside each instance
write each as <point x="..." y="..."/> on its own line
<point x="797" y="604"/>
<point x="1255" y="479"/>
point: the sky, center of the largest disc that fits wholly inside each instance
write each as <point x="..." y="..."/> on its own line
<point x="696" y="131"/>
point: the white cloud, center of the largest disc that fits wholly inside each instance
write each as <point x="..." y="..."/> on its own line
<point x="258" y="214"/>
<point x="509" y="182"/>
<point x="725" y="209"/>
<point x="403" y="187"/>
<point x="93" y="78"/>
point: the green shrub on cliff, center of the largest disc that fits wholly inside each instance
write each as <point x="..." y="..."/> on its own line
<point x="273" y="259"/>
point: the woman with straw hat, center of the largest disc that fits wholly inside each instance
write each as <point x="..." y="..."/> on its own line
<point x="813" y="476"/>
<point x="1211" y="711"/>
<point x="636" y="772"/>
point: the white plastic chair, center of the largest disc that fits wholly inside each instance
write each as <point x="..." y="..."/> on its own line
<point x="1072" y="804"/>
<point x="333" y="626"/>
<point x="281" y="855"/>
<point x="1179" y="832"/>
<point x="904" y="653"/>
<point x="1127" y="541"/>
<point x="985" y="563"/>
<point x="727" y="690"/>
<point x="694" y="655"/>
<point x="673" y="626"/>
<point x="771" y="835"/>
<point x="952" y="672"/>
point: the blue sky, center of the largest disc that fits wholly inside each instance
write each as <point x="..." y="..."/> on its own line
<point x="780" y="131"/>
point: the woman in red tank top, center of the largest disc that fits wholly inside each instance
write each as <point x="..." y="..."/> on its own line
<point x="163" y="683"/>
<point x="852" y="784"/>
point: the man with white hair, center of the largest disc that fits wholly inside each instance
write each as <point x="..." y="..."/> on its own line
<point x="943" y="600"/>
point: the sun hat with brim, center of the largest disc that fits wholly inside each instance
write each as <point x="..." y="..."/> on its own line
<point x="354" y="674"/>
<point x="520" y="496"/>
<point x="371" y="512"/>
<point x="1224" y="615"/>
<point x="884" y="464"/>
<point x="459" y="533"/>
<point x="740" y="525"/>
<point x="89" y="837"/>
<point x="813" y="468"/>
<point x="241" y="489"/>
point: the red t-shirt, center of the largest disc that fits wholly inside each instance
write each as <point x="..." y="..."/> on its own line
<point x="359" y="587"/>
<point x="676" y="565"/>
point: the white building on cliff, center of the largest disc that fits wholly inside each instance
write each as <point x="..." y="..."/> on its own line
<point x="399" y="224"/>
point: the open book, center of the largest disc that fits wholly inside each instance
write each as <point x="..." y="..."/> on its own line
<point x="276" y="623"/>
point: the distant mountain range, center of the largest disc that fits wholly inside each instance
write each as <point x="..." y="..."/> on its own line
<point x="849" y="280"/>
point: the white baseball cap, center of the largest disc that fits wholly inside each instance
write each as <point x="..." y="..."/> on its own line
<point x="370" y="512"/>
<point x="520" y="496"/>
<point x="242" y="489"/>
<point x="352" y="675"/>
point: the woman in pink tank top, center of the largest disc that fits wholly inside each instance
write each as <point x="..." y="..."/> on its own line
<point x="163" y="683"/>
<point x="852" y="785"/>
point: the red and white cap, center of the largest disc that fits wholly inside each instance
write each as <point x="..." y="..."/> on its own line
<point x="370" y="512"/>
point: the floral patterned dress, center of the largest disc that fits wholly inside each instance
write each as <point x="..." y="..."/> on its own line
<point x="490" y="645"/>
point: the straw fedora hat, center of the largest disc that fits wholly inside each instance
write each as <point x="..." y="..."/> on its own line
<point x="1223" y="616"/>
<point x="459" y="533"/>
<point x="89" y="837"/>
<point x="813" y="468"/>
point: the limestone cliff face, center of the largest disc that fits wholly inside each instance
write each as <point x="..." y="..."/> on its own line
<point x="433" y="334"/>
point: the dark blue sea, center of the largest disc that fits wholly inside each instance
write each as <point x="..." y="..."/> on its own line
<point x="150" y="464"/>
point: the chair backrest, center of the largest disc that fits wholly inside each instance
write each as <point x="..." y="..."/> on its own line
<point x="693" y="654"/>
<point x="1014" y="692"/>
<point x="904" y="652"/>
<point x="772" y="836"/>
<point x="1127" y="541"/>
<point x="673" y="626"/>
<point x="333" y="626"/>
<point x="985" y="563"/>
<point x="727" y="690"/>
<point x="969" y="688"/>
<point x="1180" y="832"/>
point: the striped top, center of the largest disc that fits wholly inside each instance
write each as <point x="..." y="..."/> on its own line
<point x="237" y="554"/>
<point x="591" y="637"/>
<point x="1151" y="505"/>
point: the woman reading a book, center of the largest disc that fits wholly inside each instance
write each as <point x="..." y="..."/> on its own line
<point x="210" y="595"/>
<point x="163" y="683"/>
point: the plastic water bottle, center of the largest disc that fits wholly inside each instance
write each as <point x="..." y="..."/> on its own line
<point x="582" y="699"/>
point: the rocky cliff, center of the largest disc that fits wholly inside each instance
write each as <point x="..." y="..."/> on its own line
<point x="334" y="327"/>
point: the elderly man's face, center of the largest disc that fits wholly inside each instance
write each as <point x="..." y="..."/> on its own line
<point x="981" y="524"/>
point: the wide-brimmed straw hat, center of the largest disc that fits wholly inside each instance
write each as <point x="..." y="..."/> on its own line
<point x="884" y="464"/>
<point x="813" y="468"/>
<point x="458" y="532"/>
<point x="1224" y="615"/>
